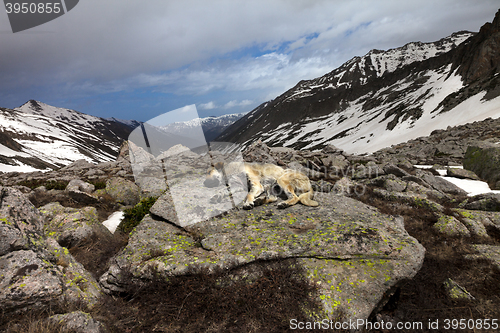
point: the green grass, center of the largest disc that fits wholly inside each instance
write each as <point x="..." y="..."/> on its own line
<point x="99" y="184"/>
<point x="133" y="216"/>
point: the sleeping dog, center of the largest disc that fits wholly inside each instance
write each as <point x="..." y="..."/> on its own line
<point x="261" y="179"/>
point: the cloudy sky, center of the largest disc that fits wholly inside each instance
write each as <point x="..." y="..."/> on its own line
<point x="134" y="59"/>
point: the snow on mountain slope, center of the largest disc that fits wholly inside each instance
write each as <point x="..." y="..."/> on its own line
<point x="67" y="115"/>
<point x="365" y="132"/>
<point x="37" y="136"/>
<point x="359" y="70"/>
<point x="384" y="97"/>
<point x="212" y="126"/>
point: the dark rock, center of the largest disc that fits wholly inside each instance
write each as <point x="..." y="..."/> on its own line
<point x="80" y="185"/>
<point x="443" y="185"/>
<point x="484" y="202"/>
<point x="394" y="170"/>
<point x="331" y="149"/>
<point x="258" y="152"/>
<point x="484" y="160"/>
<point x="461" y="173"/>
<point x="78" y="165"/>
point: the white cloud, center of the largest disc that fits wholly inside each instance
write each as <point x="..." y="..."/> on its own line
<point x="246" y="102"/>
<point x="207" y="106"/>
<point x="197" y="47"/>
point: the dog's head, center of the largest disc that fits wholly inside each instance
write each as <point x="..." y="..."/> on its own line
<point x="214" y="175"/>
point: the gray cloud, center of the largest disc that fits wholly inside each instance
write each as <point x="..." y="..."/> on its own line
<point x="176" y="46"/>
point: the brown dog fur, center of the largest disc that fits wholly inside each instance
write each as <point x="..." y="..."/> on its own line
<point x="261" y="178"/>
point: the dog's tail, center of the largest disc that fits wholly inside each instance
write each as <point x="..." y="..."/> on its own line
<point x="307" y="199"/>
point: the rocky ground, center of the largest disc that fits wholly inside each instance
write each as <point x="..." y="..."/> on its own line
<point x="389" y="242"/>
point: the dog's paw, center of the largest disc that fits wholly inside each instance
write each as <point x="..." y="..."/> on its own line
<point x="248" y="205"/>
<point x="282" y="205"/>
<point x="259" y="201"/>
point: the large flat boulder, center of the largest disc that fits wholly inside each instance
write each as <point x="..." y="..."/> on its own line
<point x="351" y="251"/>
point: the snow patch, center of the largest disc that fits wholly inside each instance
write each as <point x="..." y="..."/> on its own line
<point x="113" y="221"/>
<point x="472" y="187"/>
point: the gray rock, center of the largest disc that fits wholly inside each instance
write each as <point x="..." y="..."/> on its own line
<point x="138" y="155"/>
<point x="394" y="170"/>
<point x="151" y="186"/>
<point x="92" y="173"/>
<point x="15" y="208"/>
<point x="123" y="191"/>
<point x="337" y="163"/>
<point x="345" y="186"/>
<point x="331" y="149"/>
<point x="485" y="202"/>
<point x="461" y="173"/>
<point x="488" y="219"/>
<point x="164" y="207"/>
<point x="188" y="201"/>
<point x="22" y="189"/>
<point x="427" y="191"/>
<point x="78" y="165"/>
<point x="172" y="151"/>
<point x="79" y="284"/>
<point x="27" y="280"/>
<point x="81" y="191"/>
<point x="484" y="160"/>
<point x="443" y="185"/>
<point x="475" y="227"/>
<point x="354" y="253"/>
<point x="80" y="185"/>
<point x="124" y="152"/>
<point x="30" y="279"/>
<point x="450" y="226"/>
<point x="258" y="152"/>
<point x="71" y="226"/>
<point x="410" y="198"/>
<point x="367" y="171"/>
<point x="21" y="224"/>
<point x="12" y="239"/>
<point x="390" y="183"/>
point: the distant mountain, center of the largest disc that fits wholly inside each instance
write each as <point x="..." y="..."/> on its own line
<point x="384" y="97"/>
<point x="129" y="123"/>
<point x="37" y="136"/>
<point x="212" y="126"/>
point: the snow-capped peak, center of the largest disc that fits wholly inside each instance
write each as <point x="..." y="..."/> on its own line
<point x="40" y="108"/>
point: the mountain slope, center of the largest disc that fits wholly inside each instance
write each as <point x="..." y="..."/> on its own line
<point x="212" y="126"/>
<point x="384" y="98"/>
<point x="37" y="136"/>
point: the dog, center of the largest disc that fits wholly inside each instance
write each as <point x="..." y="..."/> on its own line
<point x="262" y="179"/>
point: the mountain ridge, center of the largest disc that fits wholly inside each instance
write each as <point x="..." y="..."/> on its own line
<point x="361" y="111"/>
<point x="40" y="137"/>
<point x="212" y="126"/>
